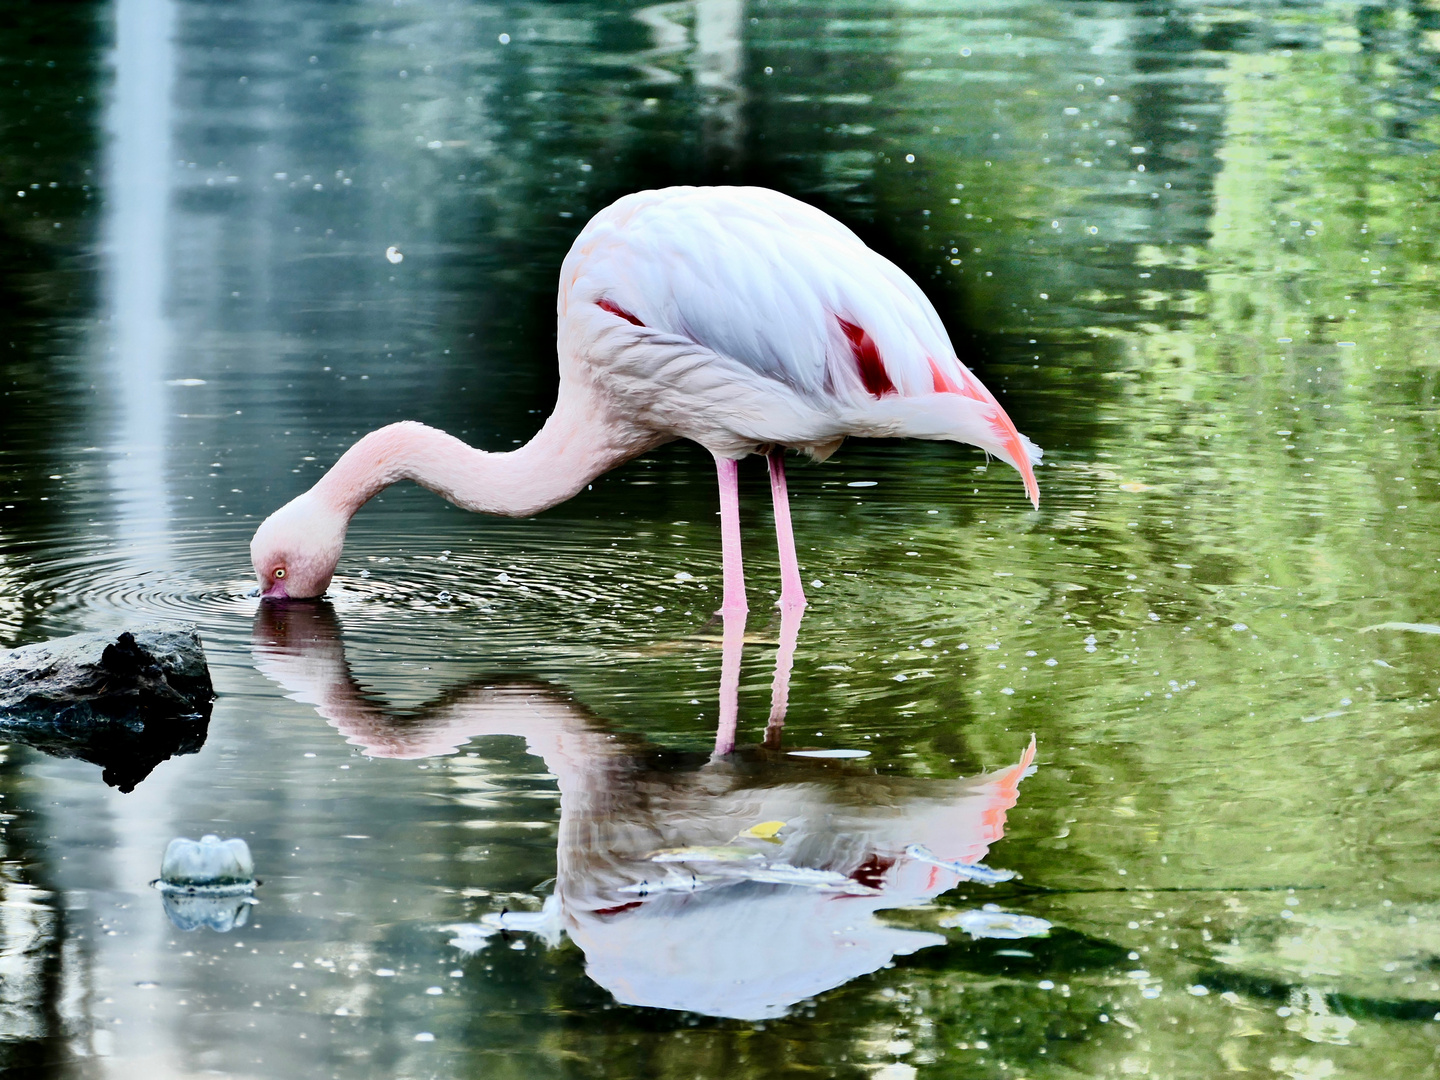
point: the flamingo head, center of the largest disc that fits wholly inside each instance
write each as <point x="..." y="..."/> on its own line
<point x="296" y="548"/>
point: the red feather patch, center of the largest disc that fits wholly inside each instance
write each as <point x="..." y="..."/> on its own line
<point x="943" y="383"/>
<point x="867" y="359"/>
<point x="616" y="309"/>
<point x="946" y="385"/>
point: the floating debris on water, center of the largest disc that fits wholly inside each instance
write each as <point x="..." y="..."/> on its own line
<point x="978" y="872"/>
<point x="207" y="882"/>
<point x="991" y="922"/>
<point x="825" y="880"/>
<point x="705" y="853"/>
<point x="838" y="753"/>
<point x="1412" y="627"/>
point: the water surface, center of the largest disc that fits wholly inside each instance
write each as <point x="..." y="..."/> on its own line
<point x="1189" y="245"/>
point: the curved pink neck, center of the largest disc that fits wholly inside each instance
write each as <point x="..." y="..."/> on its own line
<point x="576" y="445"/>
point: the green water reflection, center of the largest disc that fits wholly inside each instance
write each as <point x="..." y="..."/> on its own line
<point x="1191" y="245"/>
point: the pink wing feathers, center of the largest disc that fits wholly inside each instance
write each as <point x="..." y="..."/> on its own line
<point x="790" y="294"/>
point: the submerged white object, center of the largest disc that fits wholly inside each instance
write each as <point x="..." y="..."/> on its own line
<point x="1412" y="627"/>
<point x="207" y="862"/>
<point x="469" y="938"/>
<point x="546" y="924"/>
<point x="997" y="924"/>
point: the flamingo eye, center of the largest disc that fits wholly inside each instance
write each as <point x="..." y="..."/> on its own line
<point x="279" y="572"/>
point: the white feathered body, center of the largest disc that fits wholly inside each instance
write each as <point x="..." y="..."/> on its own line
<point x="736" y="317"/>
<point x="743" y="319"/>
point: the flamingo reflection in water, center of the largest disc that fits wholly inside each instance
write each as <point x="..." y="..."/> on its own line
<point x="736" y="887"/>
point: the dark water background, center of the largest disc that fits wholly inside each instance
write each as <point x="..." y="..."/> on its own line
<point x="1229" y="355"/>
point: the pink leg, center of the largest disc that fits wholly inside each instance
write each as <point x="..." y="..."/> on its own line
<point x="734" y="599"/>
<point x="792" y="593"/>
<point x="733" y="607"/>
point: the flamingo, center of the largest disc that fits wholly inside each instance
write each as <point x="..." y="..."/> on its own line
<point x="737" y="317"/>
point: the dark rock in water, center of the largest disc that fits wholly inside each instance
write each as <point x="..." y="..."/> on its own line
<point x="124" y="702"/>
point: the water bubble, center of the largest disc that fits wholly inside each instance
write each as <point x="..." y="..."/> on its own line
<point x="394" y="254"/>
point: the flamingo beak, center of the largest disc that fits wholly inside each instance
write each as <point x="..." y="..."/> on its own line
<point x="1027" y="473"/>
<point x="1016" y="452"/>
<point x="1013" y="447"/>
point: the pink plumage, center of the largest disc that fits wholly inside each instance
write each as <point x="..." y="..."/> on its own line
<point x="739" y="318"/>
